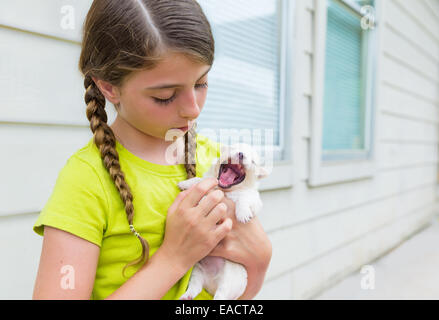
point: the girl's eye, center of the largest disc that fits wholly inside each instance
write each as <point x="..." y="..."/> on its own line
<point x="168" y="101"/>
<point x="202" y="85"/>
<point x="165" y="101"/>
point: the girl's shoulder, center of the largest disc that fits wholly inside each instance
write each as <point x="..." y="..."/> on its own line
<point x="78" y="203"/>
<point x="89" y="153"/>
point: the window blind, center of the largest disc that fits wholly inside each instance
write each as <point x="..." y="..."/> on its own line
<point x="345" y="79"/>
<point x="244" y="80"/>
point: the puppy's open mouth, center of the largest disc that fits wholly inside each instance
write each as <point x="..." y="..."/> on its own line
<point x="230" y="174"/>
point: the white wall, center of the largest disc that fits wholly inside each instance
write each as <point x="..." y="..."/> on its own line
<point x="318" y="234"/>
<point x="322" y="234"/>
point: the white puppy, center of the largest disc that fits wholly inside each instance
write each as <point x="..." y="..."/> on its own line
<point x="237" y="171"/>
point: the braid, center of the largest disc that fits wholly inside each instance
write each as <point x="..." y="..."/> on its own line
<point x="106" y="142"/>
<point x="190" y="144"/>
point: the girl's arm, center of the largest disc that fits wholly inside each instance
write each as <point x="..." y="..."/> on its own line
<point x="153" y="279"/>
<point x="67" y="257"/>
<point x="257" y="270"/>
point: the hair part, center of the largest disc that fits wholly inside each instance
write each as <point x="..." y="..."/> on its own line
<point x="121" y="37"/>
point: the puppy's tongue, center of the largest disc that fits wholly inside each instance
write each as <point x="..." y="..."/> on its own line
<point x="227" y="177"/>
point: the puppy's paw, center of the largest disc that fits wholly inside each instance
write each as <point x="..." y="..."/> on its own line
<point x="182" y="185"/>
<point x="243" y="214"/>
<point x="186" y="184"/>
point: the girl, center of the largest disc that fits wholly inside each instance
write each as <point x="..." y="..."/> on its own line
<point x="117" y="197"/>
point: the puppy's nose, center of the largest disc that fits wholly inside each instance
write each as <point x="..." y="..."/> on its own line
<point x="241" y="156"/>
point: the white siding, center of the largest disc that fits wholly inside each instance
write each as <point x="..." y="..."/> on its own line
<point x="42" y="122"/>
<point x="322" y="234"/>
<point x="319" y="235"/>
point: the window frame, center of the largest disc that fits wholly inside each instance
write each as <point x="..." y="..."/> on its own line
<point x="352" y="165"/>
<point x="281" y="174"/>
<point x="280" y="167"/>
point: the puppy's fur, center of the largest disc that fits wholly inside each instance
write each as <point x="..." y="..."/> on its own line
<point x="224" y="279"/>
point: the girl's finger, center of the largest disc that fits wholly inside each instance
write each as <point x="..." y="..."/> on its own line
<point x="178" y="200"/>
<point x="202" y="187"/>
<point x="217" y="214"/>
<point x="223" y="229"/>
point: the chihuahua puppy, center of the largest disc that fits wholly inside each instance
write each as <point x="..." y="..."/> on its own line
<point x="238" y="170"/>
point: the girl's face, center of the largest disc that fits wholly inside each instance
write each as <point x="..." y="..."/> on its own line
<point x="167" y="97"/>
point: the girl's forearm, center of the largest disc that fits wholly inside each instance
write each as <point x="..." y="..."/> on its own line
<point x="152" y="281"/>
<point x="256" y="273"/>
<point x="255" y="280"/>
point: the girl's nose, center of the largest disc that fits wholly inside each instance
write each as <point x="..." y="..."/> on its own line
<point x="190" y="109"/>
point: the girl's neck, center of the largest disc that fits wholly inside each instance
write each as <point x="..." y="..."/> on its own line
<point x="144" y="146"/>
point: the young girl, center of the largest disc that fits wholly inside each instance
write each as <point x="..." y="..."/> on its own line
<point x="116" y="225"/>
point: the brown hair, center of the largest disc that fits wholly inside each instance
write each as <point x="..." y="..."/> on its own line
<point x="120" y="37"/>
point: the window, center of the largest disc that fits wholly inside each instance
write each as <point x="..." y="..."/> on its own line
<point x="247" y="96"/>
<point x="344" y="91"/>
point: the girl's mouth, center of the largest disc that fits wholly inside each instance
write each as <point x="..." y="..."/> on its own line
<point x="230" y="174"/>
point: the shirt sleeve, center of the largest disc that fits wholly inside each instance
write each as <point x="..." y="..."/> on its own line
<point x="78" y="203"/>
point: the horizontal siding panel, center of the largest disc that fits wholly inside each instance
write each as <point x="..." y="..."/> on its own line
<point x="36" y="154"/>
<point x="398" y="46"/>
<point x="310" y="279"/>
<point x="400" y="75"/>
<point x="401" y="21"/>
<point x="403" y="103"/>
<point x="45" y="17"/>
<point x="422" y="16"/>
<point x="296" y="246"/>
<point x="40" y="80"/>
<point x="276" y="289"/>
<point x="395" y="155"/>
<point x="402" y="129"/>
<point x="303" y="204"/>
<point x="433" y="5"/>
<point x="21" y="249"/>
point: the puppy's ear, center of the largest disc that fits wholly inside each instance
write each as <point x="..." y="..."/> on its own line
<point x="261" y="172"/>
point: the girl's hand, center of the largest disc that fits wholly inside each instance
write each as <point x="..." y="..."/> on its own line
<point x="194" y="226"/>
<point x="248" y="245"/>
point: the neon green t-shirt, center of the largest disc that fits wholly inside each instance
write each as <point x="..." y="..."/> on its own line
<point x="86" y="203"/>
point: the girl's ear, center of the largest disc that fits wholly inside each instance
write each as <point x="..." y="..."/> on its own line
<point x="108" y="90"/>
